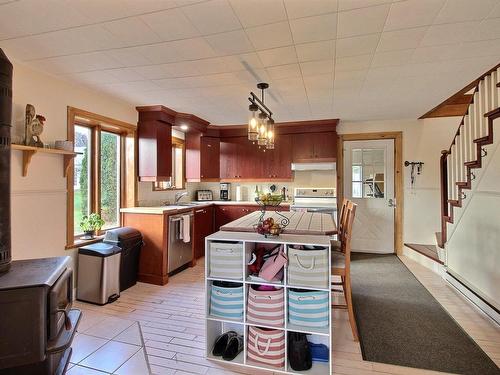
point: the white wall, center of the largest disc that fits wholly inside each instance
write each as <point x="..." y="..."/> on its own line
<point x="39" y="200"/>
<point x="423" y="141"/>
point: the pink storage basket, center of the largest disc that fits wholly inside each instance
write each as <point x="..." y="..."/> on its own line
<point x="266" y="346"/>
<point x="266" y="307"/>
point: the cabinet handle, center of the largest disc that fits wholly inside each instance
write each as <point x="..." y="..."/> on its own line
<point x="198" y="211"/>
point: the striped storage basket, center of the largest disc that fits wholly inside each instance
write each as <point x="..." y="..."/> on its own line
<point x="266" y="346"/>
<point x="308" y="308"/>
<point x="226" y="260"/>
<point x="227" y="302"/>
<point x="308" y="268"/>
<point x="266" y="307"/>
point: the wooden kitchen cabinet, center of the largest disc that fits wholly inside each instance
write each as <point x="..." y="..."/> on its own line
<point x="226" y="213"/>
<point x="202" y="158"/>
<point x="203" y="226"/>
<point x="314" y="147"/>
<point x="278" y="164"/>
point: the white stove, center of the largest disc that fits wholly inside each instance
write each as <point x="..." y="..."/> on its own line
<point x="315" y="200"/>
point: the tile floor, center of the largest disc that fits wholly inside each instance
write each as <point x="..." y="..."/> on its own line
<point x="171" y="320"/>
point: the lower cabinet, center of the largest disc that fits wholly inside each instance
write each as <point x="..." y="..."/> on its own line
<point x="226" y="213"/>
<point x="203" y="227"/>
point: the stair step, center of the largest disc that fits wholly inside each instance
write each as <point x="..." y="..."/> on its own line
<point x="430" y="251"/>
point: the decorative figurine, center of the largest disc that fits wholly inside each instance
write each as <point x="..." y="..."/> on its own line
<point x="33" y="127"/>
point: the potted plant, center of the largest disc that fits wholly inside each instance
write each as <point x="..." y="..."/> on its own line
<point x="90" y="224"/>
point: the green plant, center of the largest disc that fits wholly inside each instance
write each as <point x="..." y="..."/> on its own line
<point x="92" y="222"/>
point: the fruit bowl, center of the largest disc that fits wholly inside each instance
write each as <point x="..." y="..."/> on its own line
<point x="269" y="200"/>
<point x="269" y="228"/>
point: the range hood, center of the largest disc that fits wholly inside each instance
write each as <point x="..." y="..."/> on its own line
<point x="314" y="166"/>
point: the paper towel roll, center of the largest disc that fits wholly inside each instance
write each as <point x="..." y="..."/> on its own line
<point x="238" y="194"/>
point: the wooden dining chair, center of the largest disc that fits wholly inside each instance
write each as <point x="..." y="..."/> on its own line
<point x="341" y="266"/>
<point x="336" y="244"/>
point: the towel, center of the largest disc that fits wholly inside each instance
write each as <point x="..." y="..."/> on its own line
<point x="186" y="226"/>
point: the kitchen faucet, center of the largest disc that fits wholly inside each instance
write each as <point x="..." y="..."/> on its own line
<point x="179" y="195"/>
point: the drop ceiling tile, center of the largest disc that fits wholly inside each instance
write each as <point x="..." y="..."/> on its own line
<point x="392" y="58"/>
<point x="133" y="86"/>
<point x="191" y="49"/>
<point x="319" y="81"/>
<point x="356" y="4"/>
<point x="358" y="45"/>
<point x="270" y="36"/>
<point x="233" y="42"/>
<point x="451" y="33"/>
<point x="252" y="77"/>
<point x="287" y="87"/>
<point x="160" y="53"/>
<point x="495" y="13"/>
<point x="131" y="31"/>
<point x="436" y="53"/>
<point x="78" y="63"/>
<point x="170" y="24"/>
<point x="284" y="71"/>
<point x="300" y="8"/>
<point x="126" y="74"/>
<point x="464" y="10"/>
<point x="349" y="79"/>
<point x="360" y="62"/>
<point x="129" y="57"/>
<point x="277" y="56"/>
<point x="490" y="29"/>
<point x="362" y="21"/>
<point x="213" y="16"/>
<point x="310" y="68"/>
<point x="315" y="50"/>
<point x="315" y="28"/>
<point x="153" y="71"/>
<point x="258" y="12"/>
<point x="401" y="39"/>
<point x="99" y="76"/>
<point x="412" y="13"/>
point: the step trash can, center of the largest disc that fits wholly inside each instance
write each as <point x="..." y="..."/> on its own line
<point x="98" y="273"/>
<point x="129" y="240"/>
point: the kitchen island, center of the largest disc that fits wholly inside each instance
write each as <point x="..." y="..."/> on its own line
<point x="299" y="300"/>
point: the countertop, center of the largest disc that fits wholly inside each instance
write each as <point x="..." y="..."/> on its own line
<point x="173" y="209"/>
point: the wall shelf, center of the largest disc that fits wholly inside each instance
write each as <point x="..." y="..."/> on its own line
<point x="29" y="151"/>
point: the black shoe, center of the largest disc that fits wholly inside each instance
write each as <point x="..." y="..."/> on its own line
<point x="221" y="343"/>
<point x="234" y="347"/>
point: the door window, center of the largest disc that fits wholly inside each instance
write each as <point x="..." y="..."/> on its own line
<point x="368" y="173"/>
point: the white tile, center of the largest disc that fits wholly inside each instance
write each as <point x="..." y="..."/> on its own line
<point x="358" y="45"/>
<point x="132" y="335"/>
<point x="284" y="71"/>
<point x="233" y="42"/>
<point x="356" y="4"/>
<point x="109" y="327"/>
<point x="270" y="36"/>
<point x="170" y="25"/>
<point x="464" y="10"/>
<point x="392" y="58"/>
<point x="318" y="82"/>
<point x="310" y="68"/>
<point x="80" y="370"/>
<point x="451" y="33"/>
<point x="258" y="12"/>
<point x="278" y="56"/>
<point x="110" y="357"/>
<point x="132" y="56"/>
<point x="490" y="29"/>
<point x="315" y="50"/>
<point x="213" y="16"/>
<point x="316" y="28"/>
<point x="349" y="79"/>
<point x="84" y="345"/>
<point x="132" y="31"/>
<point x="78" y="63"/>
<point x="362" y="21"/>
<point x="191" y="49"/>
<point x="401" y="39"/>
<point x="360" y="62"/>
<point x="125" y="74"/>
<point x="300" y="8"/>
<point x="136" y="365"/>
<point x="412" y="13"/>
<point x="495" y="13"/>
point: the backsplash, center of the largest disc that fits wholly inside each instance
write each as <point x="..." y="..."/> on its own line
<point x="148" y="197"/>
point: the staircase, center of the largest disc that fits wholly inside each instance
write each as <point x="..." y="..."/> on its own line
<point x="459" y="163"/>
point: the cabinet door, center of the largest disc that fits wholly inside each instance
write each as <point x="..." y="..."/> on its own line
<point x="283" y="157"/>
<point x="202" y="227"/>
<point x="325" y="145"/>
<point x="228" y="158"/>
<point x="312" y="147"/>
<point x="154" y="151"/>
<point x="302" y="147"/>
<point x="210" y="155"/>
<point x="251" y="160"/>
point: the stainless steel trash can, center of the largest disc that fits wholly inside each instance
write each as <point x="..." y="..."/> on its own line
<point x="98" y="273"/>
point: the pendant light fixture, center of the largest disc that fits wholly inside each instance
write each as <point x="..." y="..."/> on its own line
<point x="261" y="125"/>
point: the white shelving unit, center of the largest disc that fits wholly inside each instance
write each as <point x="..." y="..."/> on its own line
<point x="216" y="326"/>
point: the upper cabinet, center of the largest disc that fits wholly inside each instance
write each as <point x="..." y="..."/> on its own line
<point x="202" y="158"/>
<point x="314" y="147"/>
<point x="154" y="134"/>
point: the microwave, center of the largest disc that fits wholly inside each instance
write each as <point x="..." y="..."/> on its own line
<point x="204" y="195"/>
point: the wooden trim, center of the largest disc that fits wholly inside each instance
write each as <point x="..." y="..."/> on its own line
<point x="128" y="150"/>
<point x="398" y="176"/>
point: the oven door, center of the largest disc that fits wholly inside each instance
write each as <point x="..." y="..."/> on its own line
<point x="60" y="300"/>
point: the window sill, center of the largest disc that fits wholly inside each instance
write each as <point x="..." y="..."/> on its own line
<point x="79" y="243"/>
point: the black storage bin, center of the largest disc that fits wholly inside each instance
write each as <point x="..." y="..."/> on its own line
<point x="130" y="241"/>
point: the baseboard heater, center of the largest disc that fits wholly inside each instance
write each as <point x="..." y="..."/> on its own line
<point x="490" y="310"/>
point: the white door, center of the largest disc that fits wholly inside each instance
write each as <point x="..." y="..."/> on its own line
<point x="369" y="182"/>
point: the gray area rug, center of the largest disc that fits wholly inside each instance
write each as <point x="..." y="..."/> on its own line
<point x="401" y="323"/>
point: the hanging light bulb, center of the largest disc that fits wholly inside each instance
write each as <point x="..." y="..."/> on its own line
<point x="253" y="123"/>
<point x="270" y="134"/>
<point x="262" y="138"/>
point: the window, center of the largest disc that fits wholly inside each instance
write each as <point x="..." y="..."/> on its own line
<point x="368" y="171"/>
<point x="102" y="179"/>
<point x="177" y="180"/>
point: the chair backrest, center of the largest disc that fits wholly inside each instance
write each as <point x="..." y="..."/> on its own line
<point x="342" y="218"/>
<point x="347" y="231"/>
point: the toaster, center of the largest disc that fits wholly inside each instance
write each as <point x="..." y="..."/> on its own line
<point x="204" y="195"/>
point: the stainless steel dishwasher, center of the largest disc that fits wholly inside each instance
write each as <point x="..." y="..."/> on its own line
<point x="179" y="252"/>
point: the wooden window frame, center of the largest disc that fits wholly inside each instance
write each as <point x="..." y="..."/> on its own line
<point x="128" y="152"/>
<point x="180" y="143"/>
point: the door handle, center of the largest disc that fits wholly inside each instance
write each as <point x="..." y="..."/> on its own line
<point x="391" y="202"/>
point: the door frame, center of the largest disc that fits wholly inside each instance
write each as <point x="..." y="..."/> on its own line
<point x="398" y="175"/>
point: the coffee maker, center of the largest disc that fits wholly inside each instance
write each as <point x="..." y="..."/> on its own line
<point x="225" y="191"/>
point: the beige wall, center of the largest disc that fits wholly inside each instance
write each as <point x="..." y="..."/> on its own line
<point x="39" y="200"/>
